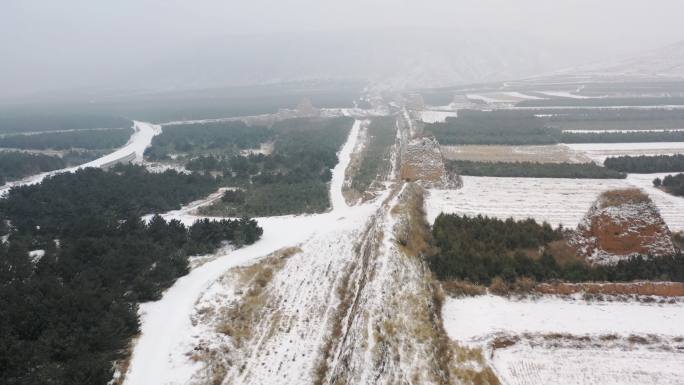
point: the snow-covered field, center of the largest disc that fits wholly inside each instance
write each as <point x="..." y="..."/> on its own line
<point x="139" y="141"/>
<point x="671" y="207"/>
<point x="564" y="94"/>
<point x="433" y="116"/>
<point x="522" y="365"/>
<point x="623" y="131"/>
<point x="553" y="153"/>
<point x="598" y="152"/>
<point x="577" y="351"/>
<point x="475" y="319"/>
<point x="488" y="98"/>
<point x="554" y="200"/>
<point x="521" y="96"/>
<point x="505" y="97"/>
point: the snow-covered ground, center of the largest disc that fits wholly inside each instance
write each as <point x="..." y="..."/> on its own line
<point x="554" y="200"/>
<point x="166" y="331"/>
<point x="523" y="365"/>
<point x="139" y="141"/>
<point x="488" y="98"/>
<point x="434" y="116"/>
<point x="564" y="94"/>
<point x="475" y="319"/>
<point x="553" y="153"/>
<point x="623" y="131"/>
<point x="564" y="340"/>
<point x="598" y="152"/>
<point x="671" y="207"/>
<point x="338" y="174"/>
<point x="521" y="96"/>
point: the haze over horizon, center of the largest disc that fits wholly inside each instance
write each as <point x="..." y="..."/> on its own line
<point x="161" y="45"/>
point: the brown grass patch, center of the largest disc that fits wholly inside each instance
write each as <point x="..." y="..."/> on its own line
<point x="458" y="288"/>
<point x="505" y="153"/>
<point x="503" y="342"/>
<point x="413" y="236"/>
<point x="238" y="321"/>
<point x="659" y="289"/>
<point x="563" y="253"/>
<point x="624" y="196"/>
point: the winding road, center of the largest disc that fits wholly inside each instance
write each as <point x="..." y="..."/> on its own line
<point x="139" y="141"/>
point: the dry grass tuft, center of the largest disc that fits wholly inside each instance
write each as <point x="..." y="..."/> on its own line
<point x="238" y="321"/>
<point x="414" y="236"/>
<point x="623" y="196"/>
<point x="458" y="288"/>
<point x="499" y="287"/>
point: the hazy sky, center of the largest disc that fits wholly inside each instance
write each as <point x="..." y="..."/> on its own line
<point x="52" y="44"/>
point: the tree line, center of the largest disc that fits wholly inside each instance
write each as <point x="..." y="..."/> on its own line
<point x="16" y="165"/>
<point x="293" y="179"/>
<point x="644" y="164"/>
<point x="68" y="315"/>
<point x="215" y="137"/>
<point x="29" y="120"/>
<point x="673" y="184"/>
<point x="480" y="249"/>
<point x="510" y="127"/>
<point x="376" y="154"/>
<point x="84" y="139"/>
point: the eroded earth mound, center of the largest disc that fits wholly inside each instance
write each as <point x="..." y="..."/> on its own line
<point x="621" y="224"/>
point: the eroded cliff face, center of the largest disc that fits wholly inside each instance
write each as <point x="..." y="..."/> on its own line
<point x="621" y="224"/>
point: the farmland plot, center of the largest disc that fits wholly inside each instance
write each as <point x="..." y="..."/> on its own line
<point x="598" y="152"/>
<point x="554" y="153"/>
<point x="522" y="365"/>
<point x="571" y="341"/>
<point x="554" y="200"/>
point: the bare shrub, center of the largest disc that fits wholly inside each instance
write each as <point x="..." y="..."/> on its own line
<point x="459" y="288"/>
<point x="499" y="287"/>
<point x="504" y="342"/>
<point x="620" y="197"/>
<point x="524" y="285"/>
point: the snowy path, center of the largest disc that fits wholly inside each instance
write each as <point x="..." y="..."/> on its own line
<point x="344" y="157"/>
<point x="158" y="356"/>
<point x="139" y="141"/>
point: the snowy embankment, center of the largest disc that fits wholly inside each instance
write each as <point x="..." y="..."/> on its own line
<point x="554" y="200"/>
<point x="134" y="149"/>
<point x="159" y="354"/>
